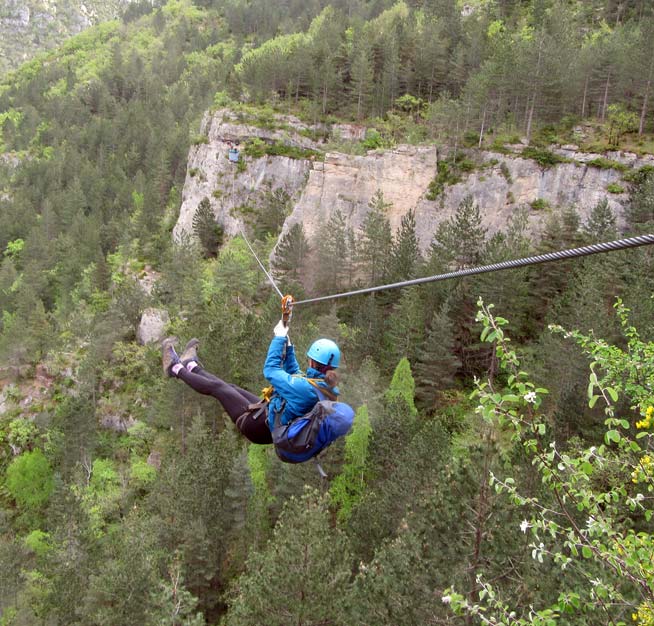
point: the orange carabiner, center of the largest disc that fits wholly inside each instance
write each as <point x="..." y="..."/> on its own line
<point x="287" y="309"/>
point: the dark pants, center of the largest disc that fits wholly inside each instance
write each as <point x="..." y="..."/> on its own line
<point x="234" y="400"/>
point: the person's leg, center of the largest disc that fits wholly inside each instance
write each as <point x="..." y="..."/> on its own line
<point x="234" y="403"/>
<point x="252" y="398"/>
<point x="234" y="400"/>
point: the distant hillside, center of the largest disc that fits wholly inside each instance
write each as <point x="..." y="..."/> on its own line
<point x="29" y="26"/>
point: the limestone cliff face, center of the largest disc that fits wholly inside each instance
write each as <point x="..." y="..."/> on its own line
<point x="500" y="184"/>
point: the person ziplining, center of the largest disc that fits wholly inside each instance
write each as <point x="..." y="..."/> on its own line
<point x="299" y="413"/>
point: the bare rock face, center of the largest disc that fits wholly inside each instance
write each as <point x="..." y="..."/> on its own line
<point x="348" y="183"/>
<point x="152" y="326"/>
<point x="500" y="184"/>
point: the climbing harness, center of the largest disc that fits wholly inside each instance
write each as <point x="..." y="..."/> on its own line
<point x="596" y="248"/>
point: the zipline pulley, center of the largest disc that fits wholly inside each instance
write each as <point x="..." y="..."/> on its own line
<point x="287" y="309"/>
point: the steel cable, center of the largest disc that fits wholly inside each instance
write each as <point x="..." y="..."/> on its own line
<point x="596" y="248"/>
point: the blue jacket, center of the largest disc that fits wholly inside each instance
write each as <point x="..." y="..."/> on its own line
<point x="295" y="395"/>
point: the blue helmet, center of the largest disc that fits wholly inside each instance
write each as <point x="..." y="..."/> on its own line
<point x="325" y="352"/>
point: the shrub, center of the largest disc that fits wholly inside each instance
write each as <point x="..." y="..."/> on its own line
<point x="504" y="170"/>
<point x="639" y="175"/>
<point x="373" y="139"/>
<point x="545" y="158"/>
<point x="603" y="163"/>
<point x="615" y="188"/>
<point x="539" y="204"/>
<point x="450" y="172"/>
<point x="29" y="479"/>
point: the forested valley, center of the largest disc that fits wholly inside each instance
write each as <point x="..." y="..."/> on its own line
<point x="499" y="470"/>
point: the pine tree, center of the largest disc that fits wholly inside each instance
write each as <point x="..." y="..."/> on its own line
<point x="375" y="241"/>
<point x="437" y="364"/>
<point x="406" y="328"/>
<point x="206" y="229"/>
<point x="301" y="574"/>
<point x="459" y="241"/>
<point x="290" y="253"/>
<point x="601" y="224"/>
<point x="405" y="253"/>
<point x="335" y="254"/>
<point x="361" y="72"/>
<point x="171" y="602"/>
<point x="640" y="210"/>
<point x="349" y="486"/>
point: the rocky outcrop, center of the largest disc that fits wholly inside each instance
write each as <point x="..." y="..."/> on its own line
<point x="153" y="325"/>
<point x="499" y="183"/>
<point x="228" y="185"/>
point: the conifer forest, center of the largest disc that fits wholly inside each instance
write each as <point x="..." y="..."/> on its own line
<point x="500" y="468"/>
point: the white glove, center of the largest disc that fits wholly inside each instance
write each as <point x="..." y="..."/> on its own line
<point x="280" y="330"/>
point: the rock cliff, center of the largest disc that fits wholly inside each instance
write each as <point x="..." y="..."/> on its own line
<point x="500" y="183"/>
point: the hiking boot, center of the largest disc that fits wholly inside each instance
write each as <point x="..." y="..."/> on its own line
<point x="190" y="352"/>
<point x="168" y="355"/>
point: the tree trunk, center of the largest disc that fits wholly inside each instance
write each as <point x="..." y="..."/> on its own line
<point x="481" y="132"/>
<point x="606" y="96"/>
<point x="583" y="102"/>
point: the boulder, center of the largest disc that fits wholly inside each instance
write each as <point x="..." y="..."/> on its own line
<point x="152" y="326"/>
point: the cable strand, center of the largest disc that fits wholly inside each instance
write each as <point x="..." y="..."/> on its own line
<point x="596" y="248"/>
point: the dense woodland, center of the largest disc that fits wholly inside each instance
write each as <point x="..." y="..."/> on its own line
<point x="486" y="480"/>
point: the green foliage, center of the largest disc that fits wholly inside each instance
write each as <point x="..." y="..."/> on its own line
<point x="504" y="169"/>
<point x="38" y="542"/>
<point x="403" y="385"/>
<point x="30" y="480"/>
<point x="95" y="139"/>
<point x="206" y="229"/>
<point x="258" y="463"/>
<point x="373" y="139"/>
<point x="615" y="188"/>
<point x="609" y="508"/>
<point x="450" y="171"/>
<point x="539" y="204"/>
<point x="290" y="253"/>
<point x="349" y="486"/>
<point x="141" y="473"/>
<point x="621" y="121"/>
<point x="603" y="163"/>
<point x="306" y="560"/>
<point x="14" y="248"/>
<point x="256" y="148"/>
<point x="544" y="158"/>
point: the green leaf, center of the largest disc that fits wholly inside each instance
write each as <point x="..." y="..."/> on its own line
<point x="613" y="393"/>
<point x="586" y="552"/>
<point x="613" y="435"/>
<point x="587" y="468"/>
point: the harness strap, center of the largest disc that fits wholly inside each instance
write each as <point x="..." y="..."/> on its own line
<point x="261" y="406"/>
<point x="258" y="407"/>
<point x="324" y="390"/>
